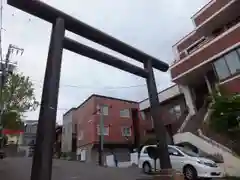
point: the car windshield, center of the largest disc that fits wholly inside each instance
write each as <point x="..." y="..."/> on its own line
<point x="188" y="152"/>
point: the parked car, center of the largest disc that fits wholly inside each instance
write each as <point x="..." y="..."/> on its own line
<point x="185" y="161"/>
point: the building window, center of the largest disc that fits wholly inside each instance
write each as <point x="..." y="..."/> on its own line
<point x="233" y="62"/>
<point x="105" y="130"/>
<point x="176" y="111"/>
<point x="228" y="65"/>
<point x="104" y="109"/>
<point x="238" y="50"/>
<point x="143" y="115"/>
<point x="126" y="131"/>
<point x="125" y="113"/>
<point x="222" y="69"/>
<point x="81" y="135"/>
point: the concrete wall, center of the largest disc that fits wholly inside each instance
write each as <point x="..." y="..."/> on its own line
<point x="67" y="130"/>
<point x="133" y="160"/>
<point x="90" y="154"/>
<point x="122" y="155"/>
<point x="188" y="99"/>
<point x="231" y="162"/>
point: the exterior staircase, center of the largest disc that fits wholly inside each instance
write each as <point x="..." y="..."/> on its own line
<point x="231" y="162"/>
<point x="195" y="132"/>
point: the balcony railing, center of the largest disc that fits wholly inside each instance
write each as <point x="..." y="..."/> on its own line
<point x="215" y="34"/>
<point x="218" y="32"/>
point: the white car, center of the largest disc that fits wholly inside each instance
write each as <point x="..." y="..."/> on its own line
<point x="185" y="161"/>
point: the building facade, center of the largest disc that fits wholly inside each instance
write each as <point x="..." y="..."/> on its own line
<point x="123" y="127"/>
<point x="172" y="111"/>
<point x="206" y="60"/>
<point x="27" y="139"/>
<point x="67" y="131"/>
<point x="30" y="132"/>
<point x="209" y="56"/>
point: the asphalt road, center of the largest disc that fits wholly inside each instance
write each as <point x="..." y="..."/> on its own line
<point x="20" y="168"/>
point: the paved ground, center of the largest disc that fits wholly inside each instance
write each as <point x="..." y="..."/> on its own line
<point x="19" y="168"/>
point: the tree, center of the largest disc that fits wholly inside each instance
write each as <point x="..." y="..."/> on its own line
<point x="17" y="98"/>
<point x="11" y="120"/>
<point x="225" y="117"/>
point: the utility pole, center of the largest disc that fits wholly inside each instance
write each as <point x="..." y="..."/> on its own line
<point x="6" y="69"/>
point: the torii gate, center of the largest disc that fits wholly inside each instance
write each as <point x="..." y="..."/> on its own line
<point x="42" y="160"/>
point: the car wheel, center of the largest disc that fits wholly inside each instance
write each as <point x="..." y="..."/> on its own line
<point x="190" y="173"/>
<point x="147" y="168"/>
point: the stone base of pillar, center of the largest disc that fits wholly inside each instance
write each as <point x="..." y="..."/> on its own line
<point x="166" y="174"/>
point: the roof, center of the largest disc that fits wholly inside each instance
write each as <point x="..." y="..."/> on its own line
<point x="100" y="96"/>
<point x="163" y="96"/>
<point x="72" y="109"/>
<point x="159" y="92"/>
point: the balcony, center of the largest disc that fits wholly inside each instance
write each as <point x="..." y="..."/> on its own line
<point x="216" y="16"/>
<point x="208" y="10"/>
<point x="231" y="85"/>
<point x="206" y="53"/>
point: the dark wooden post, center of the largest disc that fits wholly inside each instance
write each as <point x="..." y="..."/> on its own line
<point x="160" y="130"/>
<point x="42" y="160"/>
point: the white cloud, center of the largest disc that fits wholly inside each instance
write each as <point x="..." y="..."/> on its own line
<point x="152" y="27"/>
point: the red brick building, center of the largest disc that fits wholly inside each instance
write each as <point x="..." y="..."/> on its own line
<point x="123" y="126"/>
<point x="206" y="60"/>
<point x="210" y="54"/>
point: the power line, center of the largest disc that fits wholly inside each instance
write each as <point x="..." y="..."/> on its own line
<point x="89" y="87"/>
<point x="92" y="87"/>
